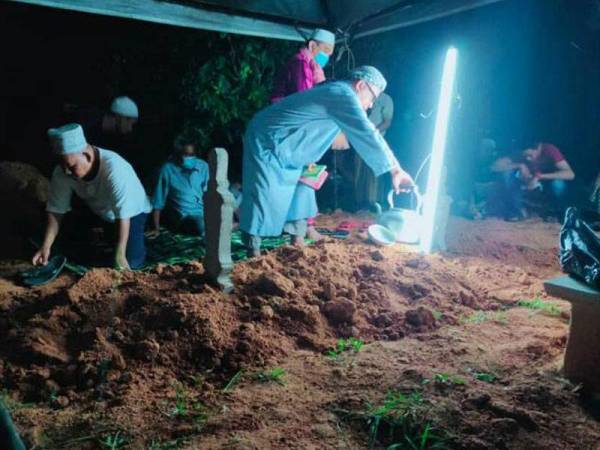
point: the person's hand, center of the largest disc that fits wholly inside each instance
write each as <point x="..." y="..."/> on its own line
<point x="121" y="262"/>
<point x="533" y="183"/>
<point x="41" y="257"/>
<point x="525" y="172"/>
<point x="401" y="181"/>
<point x="153" y="234"/>
<point x="340" y="142"/>
<point x="311" y="167"/>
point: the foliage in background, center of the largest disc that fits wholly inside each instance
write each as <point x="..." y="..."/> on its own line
<point x="203" y="84"/>
<point x="220" y="95"/>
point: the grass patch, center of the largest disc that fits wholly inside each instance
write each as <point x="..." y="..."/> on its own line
<point x="399" y="422"/>
<point x="276" y="375"/>
<point x="448" y="379"/>
<point x="537" y="304"/>
<point x="186" y="408"/>
<point x="486" y="377"/>
<point x="344" y="345"/>
<point x="114" y="441"/>
<point x="479" y="317"/>
<point x="170" y="445"/>
<point x="234" y="380"/>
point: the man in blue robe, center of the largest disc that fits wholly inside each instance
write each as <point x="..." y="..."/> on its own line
<point x="283" y="138"/>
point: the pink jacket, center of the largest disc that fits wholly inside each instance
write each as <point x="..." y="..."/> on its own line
<point x="300" y="73"/>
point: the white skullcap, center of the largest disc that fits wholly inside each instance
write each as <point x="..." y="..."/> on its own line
<point x="371" y="75"/>
<point x="67" y="139"/>
<point x="327" y="37"/>
<point x="125" y="107"/>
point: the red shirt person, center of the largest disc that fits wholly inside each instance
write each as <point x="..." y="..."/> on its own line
<point x="536" y="166"/>
<point x="545" y="162"/>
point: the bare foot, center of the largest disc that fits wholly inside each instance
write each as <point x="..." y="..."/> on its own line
<point x="313" y="234"/>
<point x="298" y="241"/>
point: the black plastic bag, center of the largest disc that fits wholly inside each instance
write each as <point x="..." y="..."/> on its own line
<point x="579" y="249"/>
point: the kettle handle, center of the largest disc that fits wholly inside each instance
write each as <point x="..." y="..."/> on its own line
<point x="417" y="194"/>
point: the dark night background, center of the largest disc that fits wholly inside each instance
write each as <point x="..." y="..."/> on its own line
<point x="528" y="70"/>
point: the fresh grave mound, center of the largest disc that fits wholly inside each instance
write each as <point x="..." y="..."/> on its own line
<point x="23" y="193"/>
<point x="91" y="337"/>
<point x="16" y="177"/>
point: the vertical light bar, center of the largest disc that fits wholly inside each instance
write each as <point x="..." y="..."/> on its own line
<point x="438" y="149"/>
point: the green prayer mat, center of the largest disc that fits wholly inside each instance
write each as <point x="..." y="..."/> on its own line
<point x="171" y="248"/>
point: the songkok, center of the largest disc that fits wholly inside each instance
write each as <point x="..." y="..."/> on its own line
<point x="67" y="139"/>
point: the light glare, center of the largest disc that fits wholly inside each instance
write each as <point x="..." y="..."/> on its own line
<point x="438" y="149"/>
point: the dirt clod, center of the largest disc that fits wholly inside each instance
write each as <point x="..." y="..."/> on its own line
<point x="274" y="283"/>
<point x="421" y="318"/>
<point x="339" y="311"/>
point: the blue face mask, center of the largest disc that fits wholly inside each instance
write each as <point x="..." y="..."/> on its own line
<point x="188" y="162"/>
<point x="321" y="58"/>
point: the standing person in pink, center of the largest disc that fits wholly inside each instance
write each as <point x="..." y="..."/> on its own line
<point x="303" y="71"/>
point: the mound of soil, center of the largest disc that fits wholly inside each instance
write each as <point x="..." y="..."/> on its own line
<point x="122" y="346"/>
<point x="23" y="194"/>
<point x="17" y="177"/>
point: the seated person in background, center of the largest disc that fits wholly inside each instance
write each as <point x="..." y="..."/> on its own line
<point x="539" y="168"/>
<point x="181" y="184"/>
<point x="106" y="183"/>
<point x="483" y="178"/>
<point x="99" y="125"/>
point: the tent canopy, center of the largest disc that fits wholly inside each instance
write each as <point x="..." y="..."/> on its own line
<point x="280" y="19"/>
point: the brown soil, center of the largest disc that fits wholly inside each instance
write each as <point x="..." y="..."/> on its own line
<point x="82" y="359"/>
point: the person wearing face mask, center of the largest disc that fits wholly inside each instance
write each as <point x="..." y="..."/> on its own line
<point x="288" y="135"/>
<point x="304" y="71"/>
<point x="106" y="183"/>
<point x="181" y="184"/>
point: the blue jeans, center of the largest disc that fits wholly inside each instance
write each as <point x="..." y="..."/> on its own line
<point x="192" y="225"/>
<point x="554" y="192"/>
<point x="136" y="245"/>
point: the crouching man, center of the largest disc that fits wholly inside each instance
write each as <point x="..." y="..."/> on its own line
<point x="107" y="184"/>
<point x="540" y="167"/>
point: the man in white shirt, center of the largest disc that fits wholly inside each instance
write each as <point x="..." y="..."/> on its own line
<point x="106" y="183"/>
